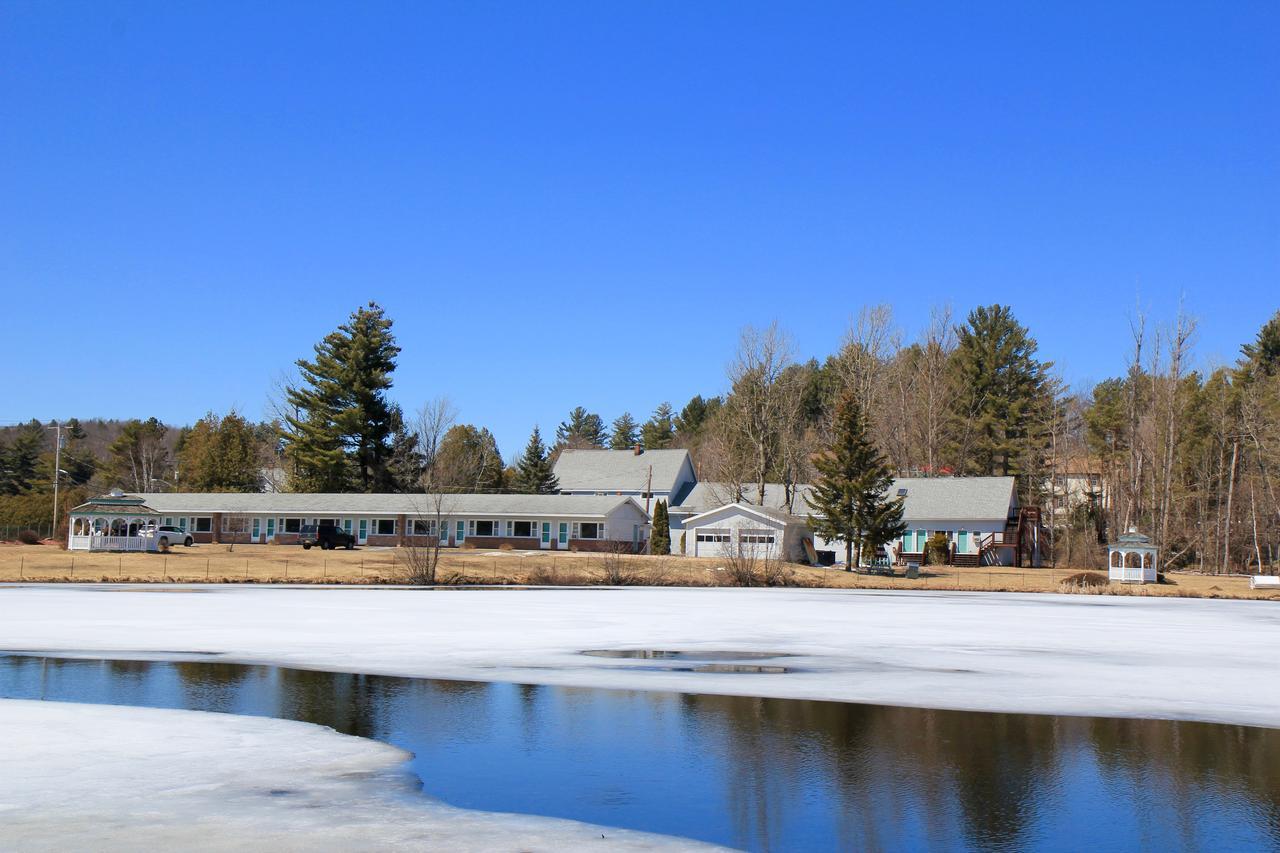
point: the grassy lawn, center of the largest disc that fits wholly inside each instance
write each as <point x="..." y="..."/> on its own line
<point x="282" y="563"/>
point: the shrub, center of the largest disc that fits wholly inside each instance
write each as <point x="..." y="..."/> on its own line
<point x="616" y="568"/>
<point x="937" y="549"/>
<point x="28" y="537"/>
<point x="745" y="566"/>
<point x="1082" y="580"/>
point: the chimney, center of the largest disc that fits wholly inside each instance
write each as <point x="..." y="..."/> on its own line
<point x="639" y="448"/>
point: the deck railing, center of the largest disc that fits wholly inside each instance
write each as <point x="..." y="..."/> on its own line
<point x="112" y="543"/>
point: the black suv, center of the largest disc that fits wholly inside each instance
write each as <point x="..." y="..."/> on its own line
<point x="327" y="536"/>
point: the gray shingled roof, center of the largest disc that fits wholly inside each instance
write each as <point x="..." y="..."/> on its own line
<point x="707" y="496"/>
<point x="560" y="506"/>
<point x="618" y="470"/>
<point x="776" y="514"/>
<point x="943" y="498"/>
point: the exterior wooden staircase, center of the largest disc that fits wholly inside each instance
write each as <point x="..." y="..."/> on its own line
<point x="1021" y="534"/>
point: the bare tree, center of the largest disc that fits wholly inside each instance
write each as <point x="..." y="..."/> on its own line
<point x="432" y="422"/>
<point x="235" y="529"/>
<point x="757" y="406"/>
<point x="746" y="565"/>
<point x="870" y="343"/>
<point x="418" y="562"/>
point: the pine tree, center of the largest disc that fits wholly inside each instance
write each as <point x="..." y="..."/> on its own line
<point x="626" y="433"/>
<point x="339" y="437"/>
<point x="220" y="454"/>
<point x="659" y="430"/>
<point x="1264" y="353"/>
<point x="850" y="495"/>
<point x="660" y="540"/>
<point x="583" y="429"/>
<point x="20" y="460"/>
<point x="533" y="472"/>
<point x="1004" y="392"/>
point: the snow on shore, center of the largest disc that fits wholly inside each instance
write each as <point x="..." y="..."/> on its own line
<point x="93" y="777"/>
<point x="1092" y="655"/>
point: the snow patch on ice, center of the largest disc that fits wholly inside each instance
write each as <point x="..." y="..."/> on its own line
<point x="106" y="778"/>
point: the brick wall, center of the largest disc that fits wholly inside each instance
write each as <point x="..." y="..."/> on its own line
<point x="523" y="543"/>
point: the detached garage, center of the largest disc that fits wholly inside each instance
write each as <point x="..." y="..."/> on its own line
<point x="740" y="527"/>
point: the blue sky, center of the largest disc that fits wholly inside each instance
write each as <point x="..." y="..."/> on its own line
<point x="583" y="203"/>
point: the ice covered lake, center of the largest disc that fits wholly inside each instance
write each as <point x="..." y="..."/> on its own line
<point x="752" y="773"/>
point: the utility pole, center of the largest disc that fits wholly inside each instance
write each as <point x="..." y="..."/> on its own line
<point x="648" y="494"/>
<point x="57" y="472"/>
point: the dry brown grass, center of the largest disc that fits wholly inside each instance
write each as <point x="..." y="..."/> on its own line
<point x="291" y="564"/>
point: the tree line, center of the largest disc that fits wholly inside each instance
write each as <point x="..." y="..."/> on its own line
<point x="1186" y="455"/>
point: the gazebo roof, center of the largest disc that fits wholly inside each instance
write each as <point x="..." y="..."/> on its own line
<point x="115" y="505"/>
<point x="1133" y="540"/>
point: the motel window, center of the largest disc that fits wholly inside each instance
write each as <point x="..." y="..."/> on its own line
<point x="483" y="528"/>
<point x="590" y="530"/>
<point x="291" y="525"/>
<point x="522" y="529"/>
<point x="424" y="527"/>
<point x="385" y="527"/>
<point x="204" y="524"/>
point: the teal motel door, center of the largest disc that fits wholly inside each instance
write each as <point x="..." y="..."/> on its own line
<point x="545" y="541"/>
<point x="562" y="541"/>
<point x="962" y="542"/>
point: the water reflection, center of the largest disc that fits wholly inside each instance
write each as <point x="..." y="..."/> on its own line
<point x="762" y="774"/>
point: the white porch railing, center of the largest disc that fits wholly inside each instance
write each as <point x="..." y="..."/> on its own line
<point x="1133" y="574"/>
<point x="112" y="543"/>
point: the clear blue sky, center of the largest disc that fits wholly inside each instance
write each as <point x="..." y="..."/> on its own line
<point x="583" y="203"/>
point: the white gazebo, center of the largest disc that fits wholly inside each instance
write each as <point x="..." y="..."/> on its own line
<point x="1132" y="558"/>
<point x="114" y="522"/>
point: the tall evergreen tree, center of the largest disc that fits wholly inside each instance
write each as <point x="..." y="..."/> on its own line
<point x="850" y="495"/>
<point x="338" y="437"/>
<point x="533" y="471"/>
<point x="693" y="416"/>
<point x="20" y="460"/>
<point x="626" y="433"/>
<point x="1004" y="392"/>
<point x="1263" y="354"/>
<point x="220" y="454"/>
<point x="582" y="429"/>
<point x="659" y="430"/>
<point x="660" y="539"/>
<point x="77" y="459"/>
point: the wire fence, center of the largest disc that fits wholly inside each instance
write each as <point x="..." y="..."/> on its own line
<point x="10" y="532"/>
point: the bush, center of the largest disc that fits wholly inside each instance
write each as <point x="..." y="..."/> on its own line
<point x="1084" y="580"/>
<point x="616" y="568"/>
<point x="937" y="549"/>
<point x="28" y="537"/>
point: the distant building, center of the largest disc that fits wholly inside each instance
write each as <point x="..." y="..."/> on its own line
<point x="1077" y="483"/>
<point x="647" y="475"/>
<point x="554" y="522"/>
